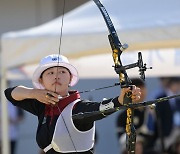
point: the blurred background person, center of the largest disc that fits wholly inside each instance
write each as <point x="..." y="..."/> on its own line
<point x="168" y="116"/>
<point x="15" y="115"/>
<point x="144" y="120"/>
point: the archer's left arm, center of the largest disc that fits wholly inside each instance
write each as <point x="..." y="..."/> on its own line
<point x="89" y="106"/>
<point x="105" y="105"/>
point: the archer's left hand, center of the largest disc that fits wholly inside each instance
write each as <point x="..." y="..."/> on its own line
<point x="136" y="94"/>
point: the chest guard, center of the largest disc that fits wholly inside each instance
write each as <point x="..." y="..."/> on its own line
<point x="67" y="138"/>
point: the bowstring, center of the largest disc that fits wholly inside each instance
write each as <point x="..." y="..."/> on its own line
<point x="59" y="53"/>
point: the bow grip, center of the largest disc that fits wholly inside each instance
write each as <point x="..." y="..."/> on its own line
<point x="127" y="97"/>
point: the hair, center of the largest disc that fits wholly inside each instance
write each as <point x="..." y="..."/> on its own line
<point x="170" y="80"/>
<point x="138" y="82"/>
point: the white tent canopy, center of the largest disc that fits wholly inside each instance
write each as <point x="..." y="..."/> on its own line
<point x="143" y="25"/>
<point x="165" y="62"/>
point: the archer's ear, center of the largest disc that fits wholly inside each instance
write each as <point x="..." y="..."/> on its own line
<point x="70" y="79"/>
<point x="40" y="81"/>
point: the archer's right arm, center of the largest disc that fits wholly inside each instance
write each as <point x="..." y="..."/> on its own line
<point x="20" y="93"/>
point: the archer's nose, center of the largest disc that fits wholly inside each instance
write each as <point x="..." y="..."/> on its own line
<point x="56" y="77"/>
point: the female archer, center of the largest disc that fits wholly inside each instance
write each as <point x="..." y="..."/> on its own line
<point x="54" y="104"/>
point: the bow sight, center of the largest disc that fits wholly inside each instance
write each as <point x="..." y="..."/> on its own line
<point x="139" y="63"/>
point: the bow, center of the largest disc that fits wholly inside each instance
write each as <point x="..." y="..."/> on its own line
<point x="117" y="49"/>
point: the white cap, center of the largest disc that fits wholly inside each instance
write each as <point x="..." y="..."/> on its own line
<point x="52" y="61"/>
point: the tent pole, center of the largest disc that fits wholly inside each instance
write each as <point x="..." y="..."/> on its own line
<point x="4" y="111"/>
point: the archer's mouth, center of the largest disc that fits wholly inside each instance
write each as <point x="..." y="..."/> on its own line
<point x="57" y="83"/>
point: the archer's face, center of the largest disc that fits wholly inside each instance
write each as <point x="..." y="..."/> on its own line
<point x="175" y="87"/>
<point x="56" y="79"/>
